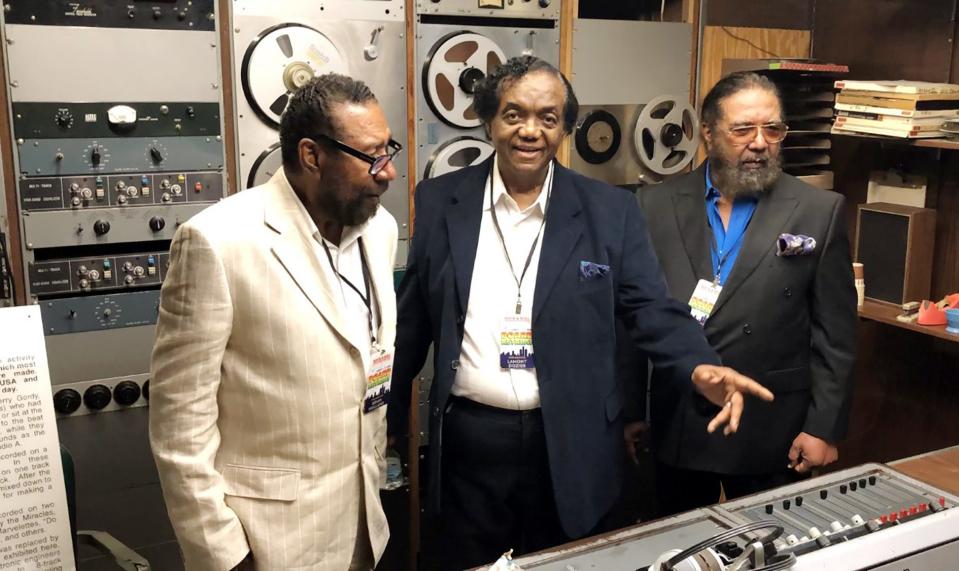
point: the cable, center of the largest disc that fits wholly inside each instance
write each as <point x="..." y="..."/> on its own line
<point x="715" y="540"/>
<point x="750" y="43"/>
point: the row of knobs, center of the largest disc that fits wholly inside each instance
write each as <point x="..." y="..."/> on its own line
<point x="97" y="397"/>
<point x="95" y="156"/>
<point x="156" y="223"/>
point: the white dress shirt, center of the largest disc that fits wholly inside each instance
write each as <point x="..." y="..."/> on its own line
<point x="493" y="297"/>
<point x="349" y="264"/>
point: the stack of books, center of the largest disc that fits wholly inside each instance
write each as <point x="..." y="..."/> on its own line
<point x="903" y="109"/>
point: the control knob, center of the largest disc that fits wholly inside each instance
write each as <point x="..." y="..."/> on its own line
<point x="126" y="393"/>
<point x="95" y="156"/>
<point x="96" y="397"/>
<point x="155" y="155"/>
<point x="101" y="227"/>
<point x="157" y="223"/>
<point x="146" y="389"/>
<point x="66" y="401"/>
<point x="64" y="118"/>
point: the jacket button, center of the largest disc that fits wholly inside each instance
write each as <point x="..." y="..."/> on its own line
<point x="461" y="318"/>
<point x="788" y="292"/>
<point x="455" y="364"/>
<point x="747" y="329"/>
<point x="436" y="411"/>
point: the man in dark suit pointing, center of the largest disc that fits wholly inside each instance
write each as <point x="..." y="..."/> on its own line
<point x="517" y="272"/>
<point x="764" y="260"/>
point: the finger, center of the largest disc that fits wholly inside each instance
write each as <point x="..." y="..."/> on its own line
<point x="736" y="406"/>
<point x="802" y="467"/>
<point x="794" y="453"/>
<point x="747" y="385"/>
<point x="719" y="420"/>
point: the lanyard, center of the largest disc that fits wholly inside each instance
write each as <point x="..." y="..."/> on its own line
<point x="366" y="283"/>
<point x="722" y="258"/>
<point x="529" y="257"/>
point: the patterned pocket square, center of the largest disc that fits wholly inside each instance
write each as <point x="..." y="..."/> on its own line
<point x="591" y="271"/>
<point x="795" y="245"/>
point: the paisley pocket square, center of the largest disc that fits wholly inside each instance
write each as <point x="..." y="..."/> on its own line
<point x="795" y="245"/>
<point x="591" y="271"/>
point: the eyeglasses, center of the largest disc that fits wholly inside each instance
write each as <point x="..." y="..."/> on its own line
<point x="377" y="163"/>
<point x="772" y="132"/>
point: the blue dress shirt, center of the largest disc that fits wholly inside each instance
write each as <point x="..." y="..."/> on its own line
<point x="727" y="242"/>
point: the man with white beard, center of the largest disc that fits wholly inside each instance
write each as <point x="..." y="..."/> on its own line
<point x="763" y="259"/>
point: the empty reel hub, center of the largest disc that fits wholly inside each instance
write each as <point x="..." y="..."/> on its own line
<point x="666" y="136"/>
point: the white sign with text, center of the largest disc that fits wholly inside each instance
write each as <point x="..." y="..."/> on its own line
<point x="34" y="521"/>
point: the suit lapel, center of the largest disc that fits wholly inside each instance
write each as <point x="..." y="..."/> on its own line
<point x="463" y="220"/>
<point x="690" y="209"/>
<point x="772" y="214"/>
<point x="293" y="247"/>
<point x="563" y="229"/>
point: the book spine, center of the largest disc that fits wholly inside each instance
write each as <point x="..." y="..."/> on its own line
<point x="869" y="109"/>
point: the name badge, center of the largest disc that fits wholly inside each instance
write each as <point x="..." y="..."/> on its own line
<point x="378" y="380"/>
<point x="704" y="299"/>
<point x="516" y="343"/>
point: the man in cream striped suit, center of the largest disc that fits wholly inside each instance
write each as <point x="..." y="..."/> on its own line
<point x="277" y="322"/>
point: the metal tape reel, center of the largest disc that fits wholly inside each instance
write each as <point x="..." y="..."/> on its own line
<point x="453" y="66"/>
<point x="666" y="136"/>
<point x="282" y="59"/>
<point x="457" y="153"/>
<point x="597" y="136"/>
<point x="265" y="166"/>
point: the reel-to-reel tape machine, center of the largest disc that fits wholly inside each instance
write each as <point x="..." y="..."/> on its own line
<point x="457" y="45"/>
<point x="279" y="47"/>
<point x="638" y="126"/>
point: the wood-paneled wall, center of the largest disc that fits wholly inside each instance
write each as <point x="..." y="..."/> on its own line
<point x="725" y="42"/>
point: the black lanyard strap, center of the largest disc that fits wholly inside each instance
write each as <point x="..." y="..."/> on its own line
<point x="367" y="300"/>
<point x="529" y="257"/>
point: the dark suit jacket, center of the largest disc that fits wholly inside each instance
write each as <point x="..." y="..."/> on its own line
<point x="573" y="324"/>
<point x="788" y="322"/>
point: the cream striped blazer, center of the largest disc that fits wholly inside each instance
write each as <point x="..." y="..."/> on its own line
<point x="257" y="384"/>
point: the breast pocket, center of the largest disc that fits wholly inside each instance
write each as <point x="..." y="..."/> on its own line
<point x="280" y="484"/>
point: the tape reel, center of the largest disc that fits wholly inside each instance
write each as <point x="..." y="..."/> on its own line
<point x="281" y="59"/>
<point x="597" y="137"/>
<point x="666" y="136"/>
<point x="265" y="166"/>
<point x="453" y="67"/>
<point x="457" y="153"/>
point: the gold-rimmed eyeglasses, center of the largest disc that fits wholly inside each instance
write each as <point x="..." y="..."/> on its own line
<point x="772" y="132"/>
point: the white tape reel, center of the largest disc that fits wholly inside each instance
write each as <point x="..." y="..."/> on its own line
<point x="666" y="136"/>
<point x="457" y="153"/>
<point x="281" y="59"/>
<point x="452" y="69"/>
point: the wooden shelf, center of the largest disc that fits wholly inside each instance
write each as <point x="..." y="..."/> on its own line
<point x="887" y="314"/>
<point x="947" y="144"/>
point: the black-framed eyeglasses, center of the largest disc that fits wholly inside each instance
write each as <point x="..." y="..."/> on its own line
<point x="377" y="163"/>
